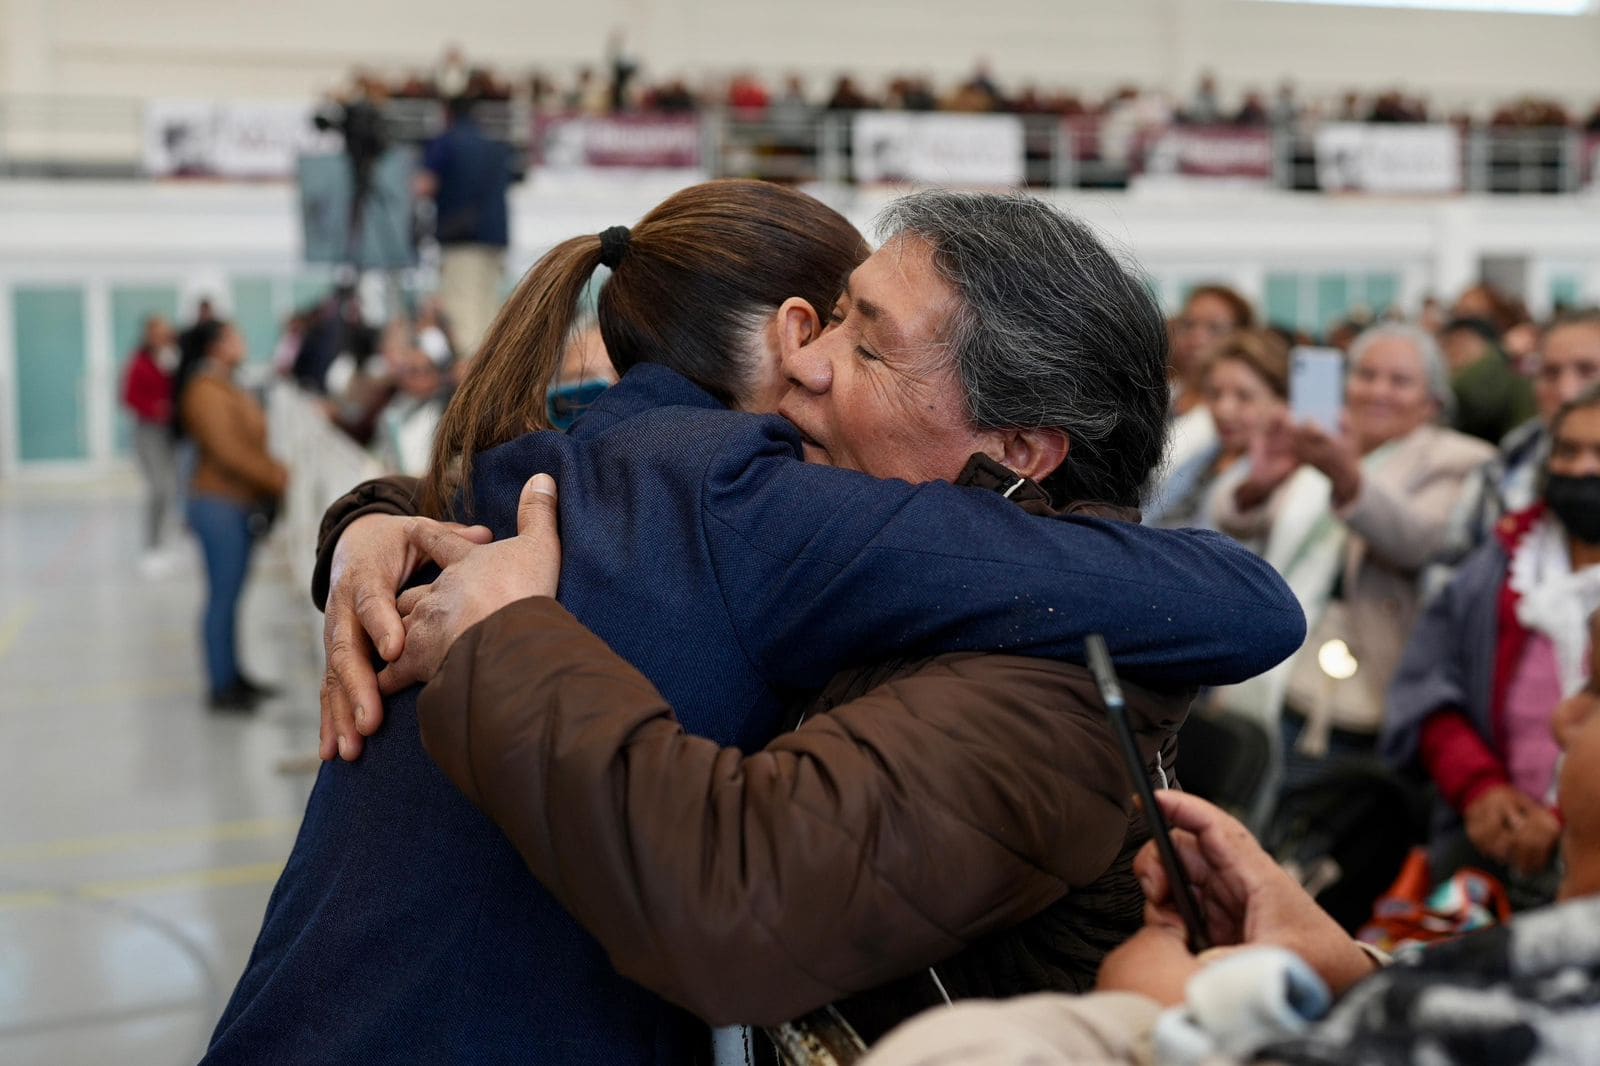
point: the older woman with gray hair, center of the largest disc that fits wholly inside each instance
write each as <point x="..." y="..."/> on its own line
<point x="1350" y="520"/>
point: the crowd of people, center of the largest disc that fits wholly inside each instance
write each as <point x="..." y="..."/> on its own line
<point x="763" y="764"/>
<point x="616" y="86"/>
<point x="1440" y="544"/>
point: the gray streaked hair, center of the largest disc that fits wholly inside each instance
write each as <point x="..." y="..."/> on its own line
<point x="1052" y="332"/>
<point x="1434" y="370"/>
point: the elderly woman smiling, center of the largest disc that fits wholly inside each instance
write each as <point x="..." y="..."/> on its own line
<point x="1351" y="520"/>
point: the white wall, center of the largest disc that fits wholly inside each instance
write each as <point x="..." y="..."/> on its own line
<point x="196" y="235"/>
<point x="294" y="48"/>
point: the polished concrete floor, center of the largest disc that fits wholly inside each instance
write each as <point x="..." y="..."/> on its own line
<point x="139" y="834"/>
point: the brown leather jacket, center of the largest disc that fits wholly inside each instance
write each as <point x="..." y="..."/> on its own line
<point x="230" y="433"/>
<point x="968" y="810"/>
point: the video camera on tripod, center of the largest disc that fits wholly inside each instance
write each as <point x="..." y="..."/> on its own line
<point x="366" y="138"/>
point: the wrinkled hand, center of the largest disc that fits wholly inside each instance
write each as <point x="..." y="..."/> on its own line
<point x="1335" y="456"/>
<point x="371" y="560"/>
<point x="1493" y="820"/>
<point x="1533" y="845"/>
<point x="1246" y="898"/>
<point x="477" y="581"/>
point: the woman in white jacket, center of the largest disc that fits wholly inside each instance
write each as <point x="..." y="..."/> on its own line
<point x="1351" y="520"/>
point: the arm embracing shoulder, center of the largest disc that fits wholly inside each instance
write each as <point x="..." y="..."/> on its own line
<point x="884" y="567"/>
<point x="878" y="838"/>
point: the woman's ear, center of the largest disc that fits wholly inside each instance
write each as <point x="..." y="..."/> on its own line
<point x="1032" y="453"/>
<point x="798" y="324"/>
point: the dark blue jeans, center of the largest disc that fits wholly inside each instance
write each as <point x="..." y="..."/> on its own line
<point x="223" y="527"/>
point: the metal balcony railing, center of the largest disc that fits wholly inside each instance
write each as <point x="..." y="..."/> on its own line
<point x="69" y="137"/>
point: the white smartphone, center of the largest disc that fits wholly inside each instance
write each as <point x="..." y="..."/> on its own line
<point x="1316" y="387"/>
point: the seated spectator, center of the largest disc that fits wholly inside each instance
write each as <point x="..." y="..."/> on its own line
<point x="1253" y="111"/>
<point x="748" y="96"/>
<point x="1522" y="993"/>
<point x="1477" y="688"/>
<point x="977" y="94"/>
<point x="847" y="96"/>
<point x="1351" y="520"/>
<point x="1492" y="399"/>
<point x="1567" y="363"/>
<point x="433" y="333"/>
<point x="585" y="373"/>
<point x="672" y="98"/>
<point x="1209" y="315"/>
<point x="1488" y="303"/>
<point x="360" y="387"/>
<point x="1246" y="381"/>
<point x="407" y="423"/>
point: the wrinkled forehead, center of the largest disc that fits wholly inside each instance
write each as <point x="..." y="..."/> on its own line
<point x="1394" y="355"/>
<point x="901" y="293"/>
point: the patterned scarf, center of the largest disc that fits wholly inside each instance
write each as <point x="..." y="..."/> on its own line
<point x="1524" y="994"/>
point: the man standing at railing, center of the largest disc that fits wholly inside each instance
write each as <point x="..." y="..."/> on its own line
<point x="465" y="174"/>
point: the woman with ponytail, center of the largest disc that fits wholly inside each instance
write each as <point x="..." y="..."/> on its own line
<point x="700" y="547"/>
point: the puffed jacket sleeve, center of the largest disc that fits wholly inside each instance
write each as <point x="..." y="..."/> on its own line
<point x="880" y="837"/>
<point x="394" y="495"/>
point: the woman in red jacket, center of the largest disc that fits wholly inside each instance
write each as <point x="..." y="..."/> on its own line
<point x="147" y="393"/>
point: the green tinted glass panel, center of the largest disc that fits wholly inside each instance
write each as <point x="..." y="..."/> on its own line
<point x="1283" y="300"/>
<point x="1566" y="291"/>
<point x="131" y="305"/>
<point x="254" y="314"/>
<point x="1383" y="292"/>
<point x="309" y="289"/>
<point x="52" y="363"/>
<point x="1333" y="300"/>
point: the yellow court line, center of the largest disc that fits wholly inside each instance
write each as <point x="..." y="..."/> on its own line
<point x="183" y="881"/>
<point x="218" y="877"/>
<point x="201" y="834"/>
<point x="119" y="691"/>
<point x="11" y="628"/>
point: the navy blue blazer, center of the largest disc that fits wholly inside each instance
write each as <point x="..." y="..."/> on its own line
<point x="406" y="929"/>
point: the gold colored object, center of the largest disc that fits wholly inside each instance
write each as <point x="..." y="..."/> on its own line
<point x="821" y="1038"/>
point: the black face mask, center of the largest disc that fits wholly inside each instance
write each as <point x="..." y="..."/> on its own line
<point x="1576" y="502"/>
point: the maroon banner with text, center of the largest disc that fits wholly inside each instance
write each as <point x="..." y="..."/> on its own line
<point x="644" y="141"/>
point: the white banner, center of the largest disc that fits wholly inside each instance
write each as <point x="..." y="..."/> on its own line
<point x="1373" y="157"/>
<point x="934" y="149"/>
<point x="230" y="140"/>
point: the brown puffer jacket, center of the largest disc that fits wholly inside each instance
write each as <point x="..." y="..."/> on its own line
<point x="968" y="810"/>
<point x="913" y="821"/>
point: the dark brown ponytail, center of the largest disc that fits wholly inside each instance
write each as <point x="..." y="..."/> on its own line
<point x="693" y="282"/>
<point x="503" y="394"/>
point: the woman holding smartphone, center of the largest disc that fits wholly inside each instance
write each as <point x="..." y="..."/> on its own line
<point x="1351" y="519"/>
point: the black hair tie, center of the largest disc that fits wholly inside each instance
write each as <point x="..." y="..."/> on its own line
<point x="614" y="245"/>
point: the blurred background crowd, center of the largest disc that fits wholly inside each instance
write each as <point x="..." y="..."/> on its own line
<point x="622" y="85"/>
<point x="1383" y="301"/>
